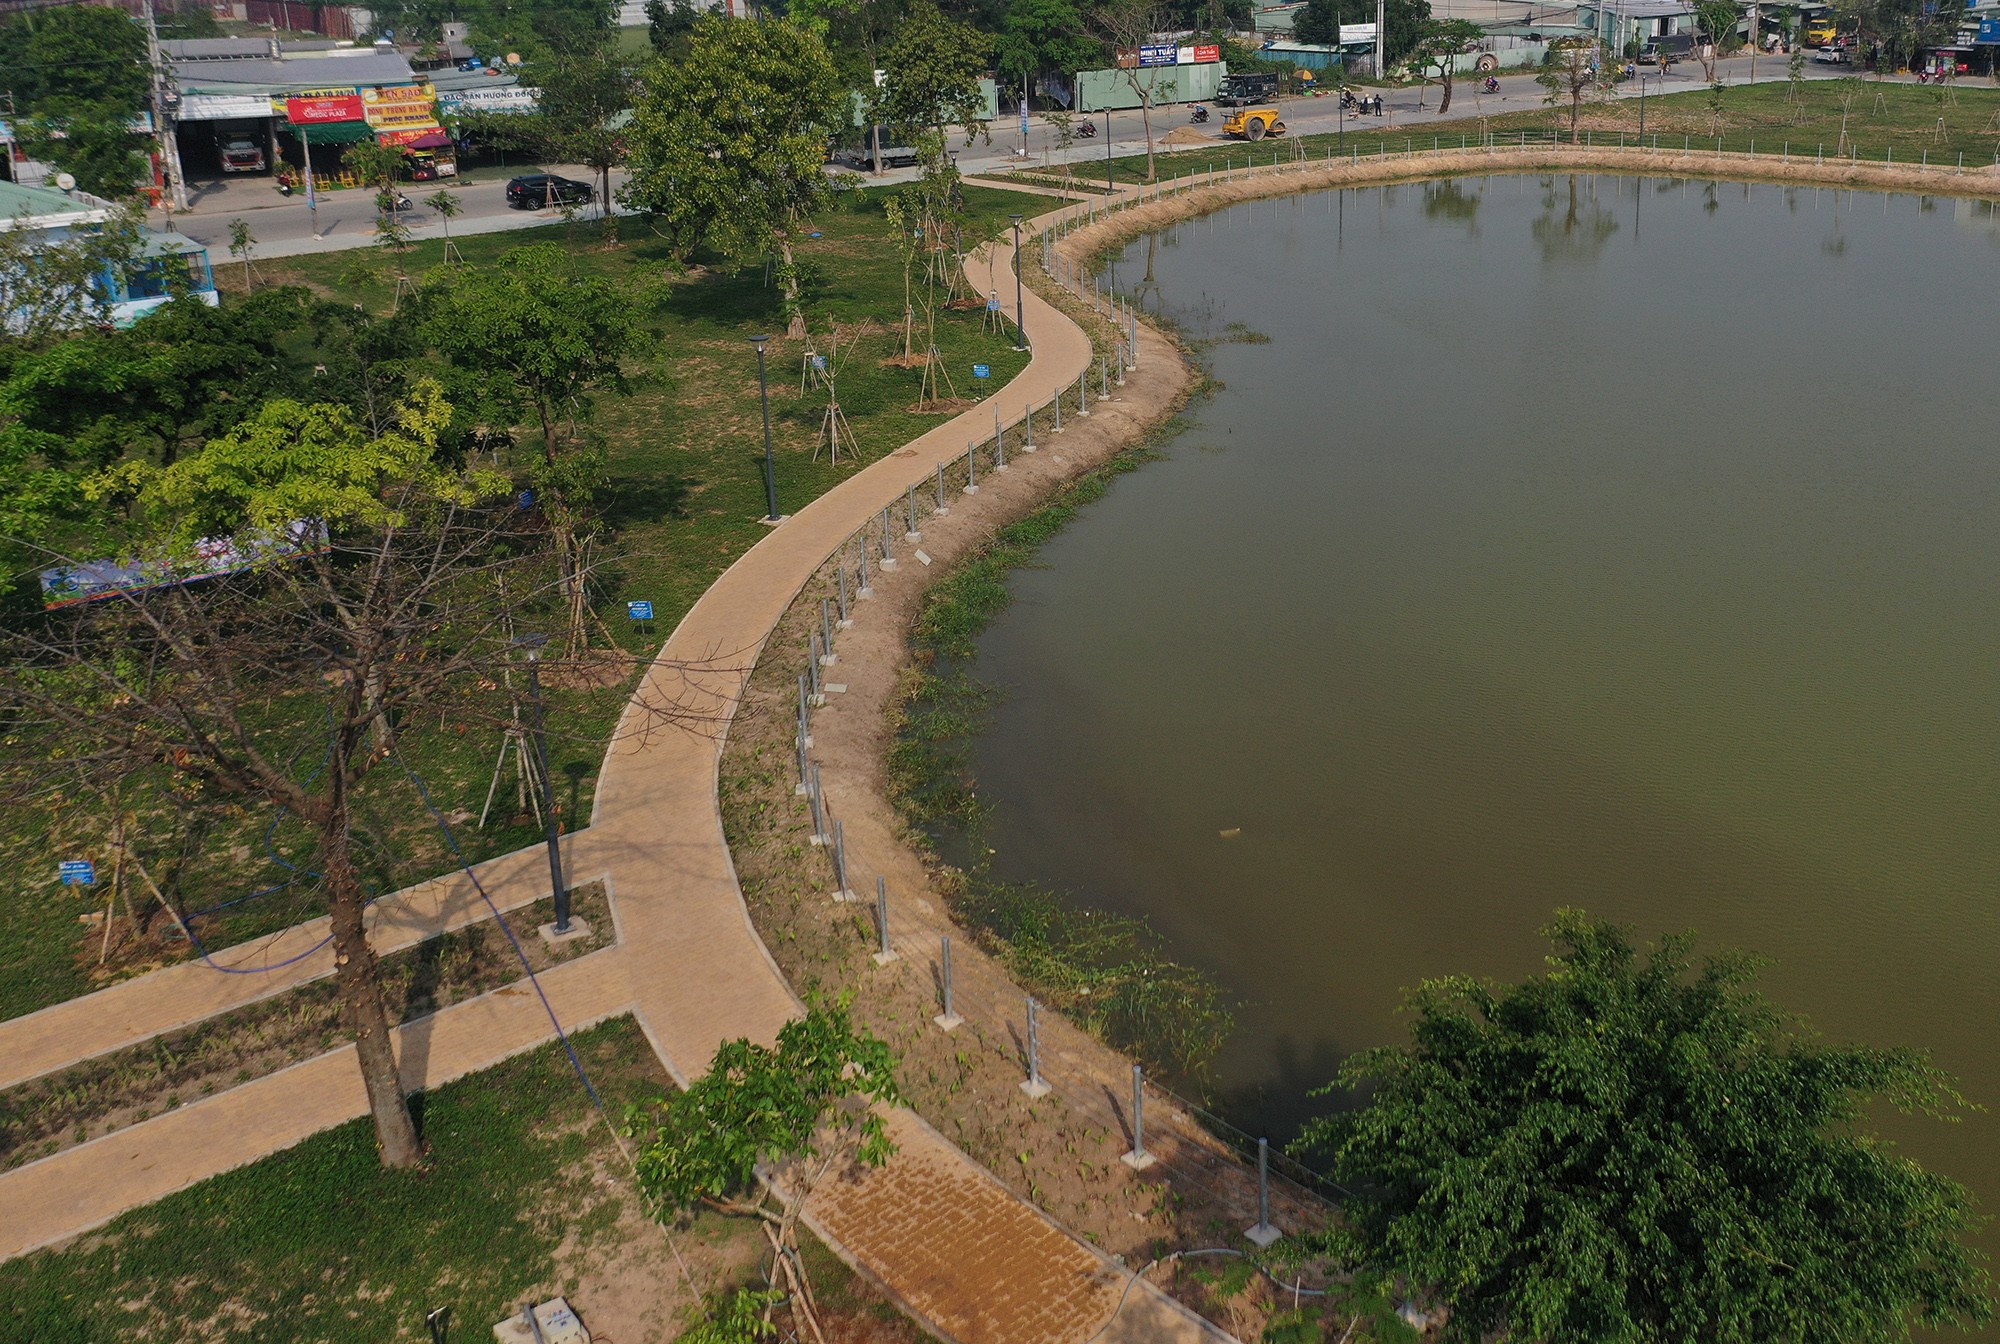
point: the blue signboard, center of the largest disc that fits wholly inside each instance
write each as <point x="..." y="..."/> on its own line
<point x="981" y="371"/>
<point x="1989" y="31"/>
<point x="993" y="304"/>
<point x="640" y="610"/>
<point x="77" y="872"/>
<point x="1165" y="53"/>
<point x="819" y="363"/>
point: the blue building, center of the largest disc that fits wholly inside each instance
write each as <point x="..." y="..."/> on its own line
<point x="164" y="263"/>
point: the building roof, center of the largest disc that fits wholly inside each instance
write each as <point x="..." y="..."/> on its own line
<point x="239" y="48"/>
<point x="287" y="76"/>
<point x="47" y="208"/>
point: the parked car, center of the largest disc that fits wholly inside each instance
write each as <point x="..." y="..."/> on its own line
<point x="242" y="154"/>
<point x="535" y="191"/>
<point x="1835" y="55"/>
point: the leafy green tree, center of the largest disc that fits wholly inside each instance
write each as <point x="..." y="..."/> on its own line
<point x="585" y="85"/>
<point x="728" y="144"/>
<point x="1040" y="37"/>
<point x="932" y="73"/>
<point x="1440" y="42"/>
<point x="92" y="142"/>
<point x="761" y="1113"/>
<point x="75" y="56"/>
<point x="1318" y="22"/>
<point x="1717" y="19"/>
<point x="1636" y="1146"/>
<point x="669" y="25"/>
<point x="543" y="337"/>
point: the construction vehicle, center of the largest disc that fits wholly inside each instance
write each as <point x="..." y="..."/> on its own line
<point x="1253" y="123"/>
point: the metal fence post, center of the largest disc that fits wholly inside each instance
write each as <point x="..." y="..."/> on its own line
<point x="885" y="954"/>
<point x="1056" y="405"/>
<point x="1028" y="430"/>
<point x="1138" y="1159"/>
<point x="949" y="1018"/>
<point x="888" y="556"/>
<point x="826" y="629"/>
<point x="999" y="443"/>
<point x="1083" y="395"/>
<point x="840" y="891"/>
<point x="846" y="621"/>
<point x="818" y="801"/>
<point x="1135" y="340"/>
<point x="866" y="588"/>
<point x="1103" y="378"/>
<point x="942" y="507"/>
<point x="1263" y="1234"/>
<point x="812" y="670"/>
<point x="1034" y="1086"/>
<point x="910" y="515"/>
<point x="971" y="469"/>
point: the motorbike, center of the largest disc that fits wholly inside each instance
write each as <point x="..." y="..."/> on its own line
<point x="1347" y="100"/>
<point x="1492" y="85"/>
<point x="1199" y="115"/>
<point x="1086" y="129"/>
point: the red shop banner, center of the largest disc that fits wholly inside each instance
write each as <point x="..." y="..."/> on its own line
<point x="1203" y="55"/>
<point x="319" y="111"/>
<point x="404" y="135"/>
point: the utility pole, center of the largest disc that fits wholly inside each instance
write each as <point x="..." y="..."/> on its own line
<point x="1381" y="41"/>
<point x="163" y="128"/>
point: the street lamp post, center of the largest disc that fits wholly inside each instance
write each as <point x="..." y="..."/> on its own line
<point x="770" y="463"/>
<point x="531" y="647"/>
<point x="1020" y="327"/>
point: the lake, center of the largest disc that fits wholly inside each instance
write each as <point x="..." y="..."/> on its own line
<point x="1608" y="542"/>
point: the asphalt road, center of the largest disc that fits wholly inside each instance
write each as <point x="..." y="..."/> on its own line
<point x="346" y="219"/>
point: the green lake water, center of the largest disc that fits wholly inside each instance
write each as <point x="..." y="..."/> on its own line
<point x="1626" y="544"/>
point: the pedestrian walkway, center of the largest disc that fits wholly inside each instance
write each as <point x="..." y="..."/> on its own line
<point x="687" y="963"/>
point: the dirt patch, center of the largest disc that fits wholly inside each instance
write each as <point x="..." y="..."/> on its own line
<point x="1188" y="135"/>
<point x="1061" y="1151"/>
<point x="60" y="1110"/>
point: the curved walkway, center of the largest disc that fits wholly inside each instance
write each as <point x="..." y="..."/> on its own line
<point x="967" y="1257"/>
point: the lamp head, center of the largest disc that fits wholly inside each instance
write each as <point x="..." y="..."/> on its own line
<point x="531" y="644"/>
<point x="759" y="341"/>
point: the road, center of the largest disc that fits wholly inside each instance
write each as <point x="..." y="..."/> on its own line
<point x="346" y="219"/>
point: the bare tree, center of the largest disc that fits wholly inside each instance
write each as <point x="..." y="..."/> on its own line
<point x="261" y="686"/>
<point x="1127" y="24"/>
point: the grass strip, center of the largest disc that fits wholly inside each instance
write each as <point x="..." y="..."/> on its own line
<point x="68" y="1107"/>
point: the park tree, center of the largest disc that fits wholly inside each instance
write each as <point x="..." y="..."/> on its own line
<point x="1125" y="24"/>
<point x="262" y="689"/>
<point x="1440" y="42"/>
<point x="78" y="76"/>
<point x="931" y="73"/>
<point x="1637" y="1146"/>
<point x="1402" y="22"/>
<point x="1041" y="37"/>
<point x="1573" y="72"/>
<point x="541" y="337"/>
<point x="754" y="1135"/>
<point x="728" y="144"/>
<point x="92" y="142"/>
<point x="585" y="85"/>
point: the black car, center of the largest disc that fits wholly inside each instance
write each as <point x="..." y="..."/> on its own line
<point x="533" y="191"/>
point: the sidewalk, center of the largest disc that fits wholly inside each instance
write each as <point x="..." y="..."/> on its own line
<point x="687" y="963"/>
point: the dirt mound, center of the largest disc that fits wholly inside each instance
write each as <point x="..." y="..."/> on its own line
<point x="1188" y="135"/>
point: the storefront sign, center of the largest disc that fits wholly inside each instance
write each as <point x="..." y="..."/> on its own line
<point x="514" y="99"/>
<point x="1165" y="53"/>
<point x="318" y="111"/>
<point x="1204" y="55"/>
<point x="403" y="135"/>
<point x="398" y="106"/>
<point x="223" y="107"/>
<point x="1989" y="32"/>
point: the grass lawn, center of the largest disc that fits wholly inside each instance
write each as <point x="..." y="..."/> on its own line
<point x="681" y="502"/>
<point x="1908" y="123"/>
<point x="320" y="1243"/>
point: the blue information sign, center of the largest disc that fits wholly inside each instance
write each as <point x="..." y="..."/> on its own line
<point x="993" y="304"/>
<point x="77" y="872"/>
<point x="981" y="371"/>
<point x="639" y="611"/>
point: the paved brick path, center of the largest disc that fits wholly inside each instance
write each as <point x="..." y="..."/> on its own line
<point x="938" y="1232"/>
